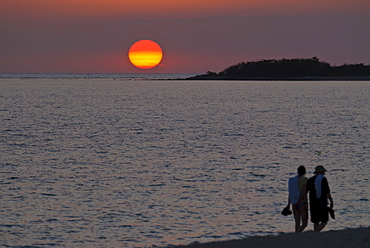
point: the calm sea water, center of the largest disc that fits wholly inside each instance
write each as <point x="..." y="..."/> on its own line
<point x="118" y="163"/>
<point x="114" y="76"/>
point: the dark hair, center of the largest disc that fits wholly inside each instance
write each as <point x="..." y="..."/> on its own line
<point x="301" y="170"/>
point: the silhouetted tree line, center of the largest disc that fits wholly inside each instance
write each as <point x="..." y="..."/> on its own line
<point x="288" y="69"/>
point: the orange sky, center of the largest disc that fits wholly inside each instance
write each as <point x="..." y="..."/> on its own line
<point x="171" y="8"/>
<point x="95" y="35"/>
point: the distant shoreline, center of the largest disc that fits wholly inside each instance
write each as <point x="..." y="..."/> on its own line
<point x="205" y="78"/>
<point x="358" y="237"/>
<point x="289" y="70"/>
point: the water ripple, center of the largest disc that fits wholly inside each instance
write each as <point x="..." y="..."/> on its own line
<point x="114" y="164"/>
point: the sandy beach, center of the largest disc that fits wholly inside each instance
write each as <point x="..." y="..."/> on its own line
<point x="359" y="238"/>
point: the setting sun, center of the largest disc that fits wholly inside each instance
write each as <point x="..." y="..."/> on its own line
<point x="145" y="54"/>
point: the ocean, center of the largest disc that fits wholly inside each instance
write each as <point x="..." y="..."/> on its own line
<point x="114" y="76"/>
<point x="142" y="161"/>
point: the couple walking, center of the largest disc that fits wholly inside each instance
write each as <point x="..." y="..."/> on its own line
<point x="319" y="194"/>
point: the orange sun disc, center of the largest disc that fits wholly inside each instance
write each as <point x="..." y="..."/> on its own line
<point x="145" y="54"/>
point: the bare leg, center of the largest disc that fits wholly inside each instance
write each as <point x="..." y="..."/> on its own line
<point x="319" y="226"/>
<point x="304" y="216"/>
<point x="297" y="218"/>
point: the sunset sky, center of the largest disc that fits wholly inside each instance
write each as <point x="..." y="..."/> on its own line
<point x="78" y="36"/>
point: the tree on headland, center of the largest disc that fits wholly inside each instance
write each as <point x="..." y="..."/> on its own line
<point x="288" y="69"/>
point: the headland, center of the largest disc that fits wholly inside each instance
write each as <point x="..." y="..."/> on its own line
<point x="289" y="69"/>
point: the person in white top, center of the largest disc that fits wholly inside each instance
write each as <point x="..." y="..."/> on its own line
<point x="298" y="199"/>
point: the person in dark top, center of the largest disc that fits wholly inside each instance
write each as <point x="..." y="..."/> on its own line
<point x="319" y="194"/>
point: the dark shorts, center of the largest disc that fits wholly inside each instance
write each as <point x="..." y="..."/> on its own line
<point x="319" y="214"/>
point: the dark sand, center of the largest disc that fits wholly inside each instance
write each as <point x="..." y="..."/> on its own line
<point x="349" y="238"/>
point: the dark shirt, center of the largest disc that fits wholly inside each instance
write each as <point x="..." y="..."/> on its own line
<point x="323" y="200"/>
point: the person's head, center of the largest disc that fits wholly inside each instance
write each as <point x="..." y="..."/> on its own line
<point x="301" y="170"/>
<point x="320" y="170"/>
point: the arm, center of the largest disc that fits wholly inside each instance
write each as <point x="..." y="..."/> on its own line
<point x="303" y="193"/>
<point x="328" y="195"/>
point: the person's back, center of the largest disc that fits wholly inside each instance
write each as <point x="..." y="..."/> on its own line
<point x="318" y="202"/>
<point x="302" y="182"/>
